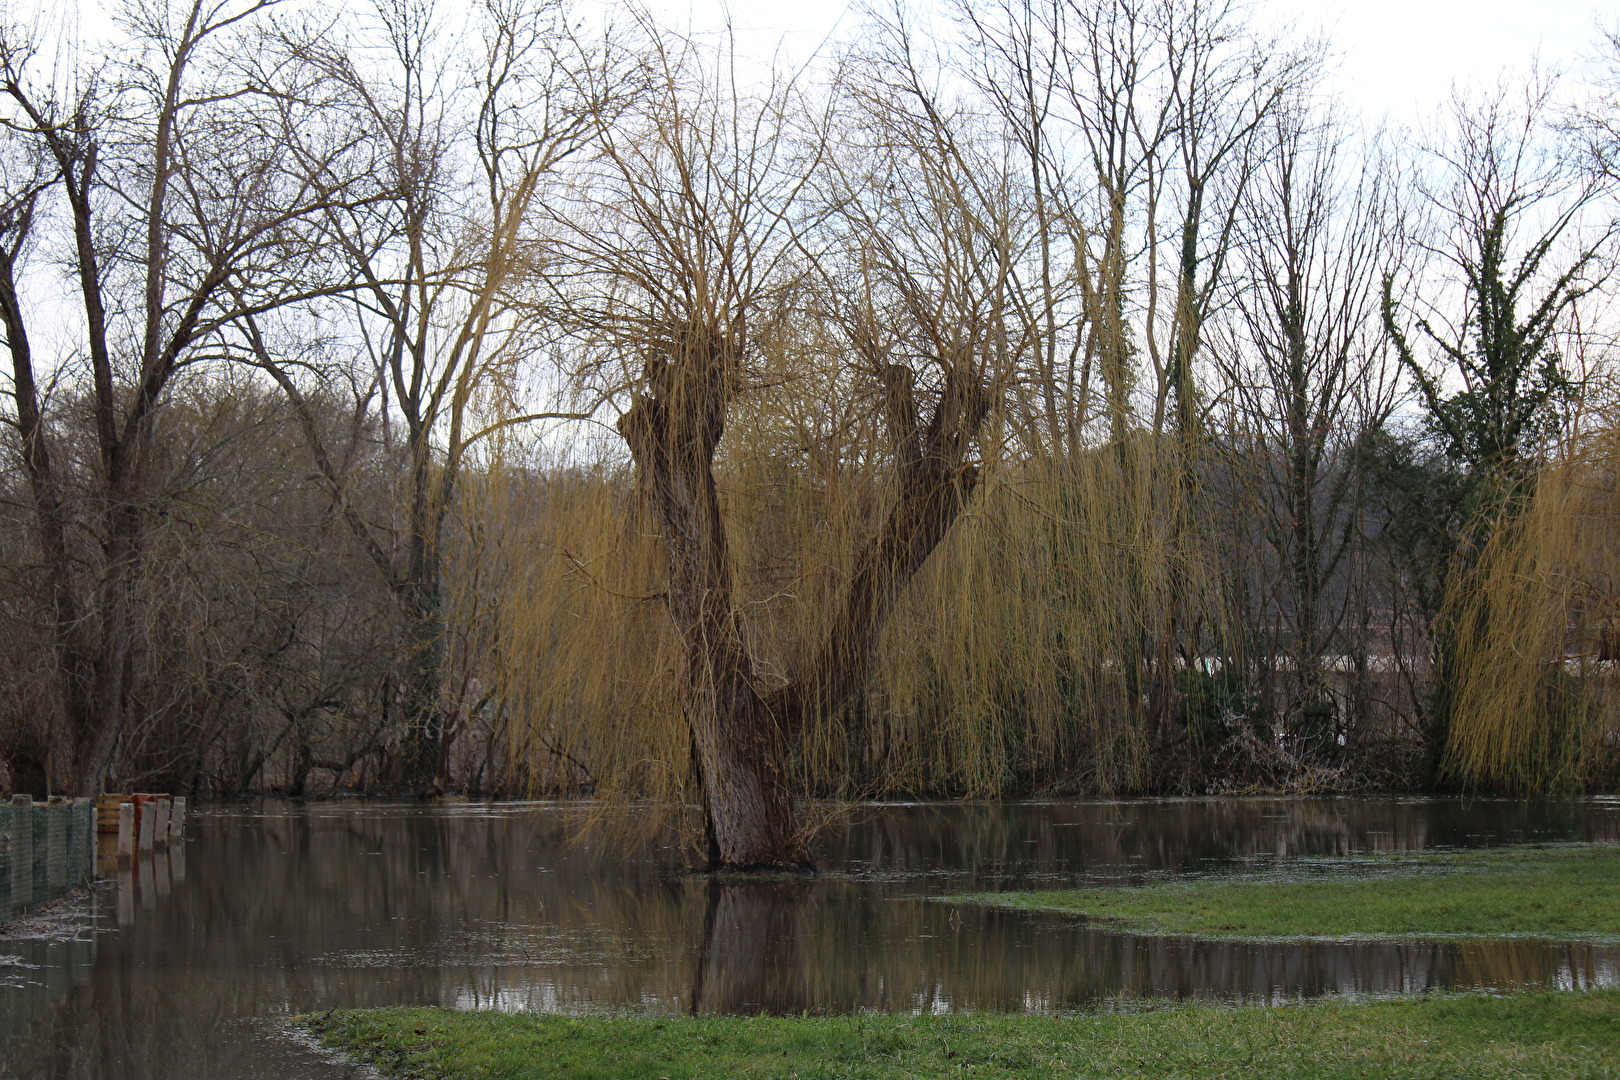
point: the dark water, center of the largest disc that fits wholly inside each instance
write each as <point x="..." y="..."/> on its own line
<point x="274" y="910"/>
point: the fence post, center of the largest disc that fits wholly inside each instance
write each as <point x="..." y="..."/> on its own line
<point x="84" y="850"/>
<point x="146" y="826"/>
<point x="126" y="831"/>
<point x="126" y="877"/>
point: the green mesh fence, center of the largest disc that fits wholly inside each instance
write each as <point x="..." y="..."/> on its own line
<point x="46" y="850"/>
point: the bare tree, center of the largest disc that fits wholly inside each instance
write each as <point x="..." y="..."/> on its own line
<point x="1304" y="365"/>
<point x="184" y="209"/>
<point x="469" y="156"/>
<point x="1018" y="61"/>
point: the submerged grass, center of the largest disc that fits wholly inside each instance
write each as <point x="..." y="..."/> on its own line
<point x="1563" y="892"/>
<point x="1551" y="1035"/>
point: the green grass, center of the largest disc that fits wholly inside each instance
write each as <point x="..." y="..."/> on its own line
<point x="1552" y="1035"/>
<point x="1564" y="892"/>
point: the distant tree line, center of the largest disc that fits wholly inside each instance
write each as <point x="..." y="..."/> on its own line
<point x="1031" y="396"/>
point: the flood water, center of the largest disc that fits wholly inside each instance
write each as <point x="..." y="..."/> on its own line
<point x="271" y="910"/>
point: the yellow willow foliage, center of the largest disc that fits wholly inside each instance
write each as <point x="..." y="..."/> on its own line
<point x="589" y="667"/>
<point x="1035" y="645"/>
<point x="1534" y="627"/>
<point x="1035" y="649"/>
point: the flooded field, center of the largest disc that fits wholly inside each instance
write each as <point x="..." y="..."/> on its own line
<point x="192" y="963"/>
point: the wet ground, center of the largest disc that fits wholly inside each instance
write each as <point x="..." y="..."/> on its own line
<point x="190" y="964"/>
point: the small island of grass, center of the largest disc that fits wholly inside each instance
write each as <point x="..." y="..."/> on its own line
<point x="1563" y="892"/>
<point x="1558" y="892"/>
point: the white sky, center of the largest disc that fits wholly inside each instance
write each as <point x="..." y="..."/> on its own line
<point x="1400" y="57"/>
<point x="1397" y="58"/>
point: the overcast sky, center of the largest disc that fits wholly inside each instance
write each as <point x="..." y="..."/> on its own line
<point x="1397" y="58"/>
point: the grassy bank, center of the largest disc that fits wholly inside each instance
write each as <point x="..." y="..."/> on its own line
<point x="1551" y="1036"/>
<point x="1565" y="892"/>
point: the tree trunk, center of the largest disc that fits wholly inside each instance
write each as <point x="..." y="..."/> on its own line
<point x="424" y="716"/>
<point x="672" y="431"/>
<point x="102" y="722"/>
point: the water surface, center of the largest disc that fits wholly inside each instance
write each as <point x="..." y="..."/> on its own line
<point x="270" y="910"/>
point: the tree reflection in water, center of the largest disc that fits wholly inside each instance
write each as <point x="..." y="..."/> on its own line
<point x="277" y="910"/>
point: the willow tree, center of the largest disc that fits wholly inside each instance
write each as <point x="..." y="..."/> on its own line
<point x="1537" y="606"/>
<point x="1142" y="123"/>
<point x="726" y="232"/>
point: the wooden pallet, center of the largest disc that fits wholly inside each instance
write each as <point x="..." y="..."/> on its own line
<point x="107" y="811"/>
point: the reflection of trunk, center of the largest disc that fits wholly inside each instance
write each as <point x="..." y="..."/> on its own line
<point x="750" y="959"/>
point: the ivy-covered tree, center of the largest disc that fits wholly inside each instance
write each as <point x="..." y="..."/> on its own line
<point x="1516" y="254"/>
<point x="1514" y="251"/>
